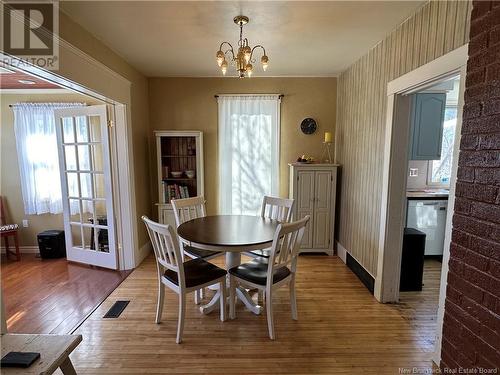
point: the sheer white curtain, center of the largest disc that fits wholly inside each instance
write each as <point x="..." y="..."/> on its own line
<point x="36" y="143"/>
<point x="249" y="129"/>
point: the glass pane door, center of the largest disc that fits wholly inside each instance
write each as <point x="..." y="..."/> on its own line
<point x="83" y="143"/>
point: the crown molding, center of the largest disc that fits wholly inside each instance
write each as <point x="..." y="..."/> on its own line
<point x="91" y="60"/>
<point x="35" y="91"/>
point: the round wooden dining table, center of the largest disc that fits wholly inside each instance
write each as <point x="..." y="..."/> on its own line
<point x="232" y="234"/>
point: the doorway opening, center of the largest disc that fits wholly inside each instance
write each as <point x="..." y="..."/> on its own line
<point x="414" y="134"/>
<point x="432" y="121"/>
<point x="56" y="295"/>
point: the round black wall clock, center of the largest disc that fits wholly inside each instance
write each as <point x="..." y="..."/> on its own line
<point x="308" y="126"/>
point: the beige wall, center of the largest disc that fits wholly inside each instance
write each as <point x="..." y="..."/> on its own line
<point x="135" y="97"/>
<point x="435" y="29"/>
<point x="10" y="183"/>
<point x="189" y="104"/>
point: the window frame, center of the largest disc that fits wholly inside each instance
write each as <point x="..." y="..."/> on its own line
<point x="277" y="183"/>
<point x="429" y="177"/>
<point x="429" y="181"/>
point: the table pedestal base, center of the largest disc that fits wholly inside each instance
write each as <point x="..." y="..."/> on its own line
<point x="233" y="259"/>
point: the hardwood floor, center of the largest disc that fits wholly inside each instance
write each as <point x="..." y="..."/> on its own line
<point x="341" y="329"/>
<point x="420" y="308"/>
<point x="52" y="295"/>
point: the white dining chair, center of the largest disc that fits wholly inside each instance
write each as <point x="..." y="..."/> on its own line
<point x="270" y="274"/>
<point x="187" y="209"/>
<point x="182" y="277"/>
<point x="275" y="208"/>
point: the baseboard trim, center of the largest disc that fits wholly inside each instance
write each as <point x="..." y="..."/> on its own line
<point x="316" y="251"/>
<point x="144" y="251"/>
<point x="366" y="278"/>
<point x="361" y="273"/>
<point x="22" y="249"/>
<point x="341" y="252"/>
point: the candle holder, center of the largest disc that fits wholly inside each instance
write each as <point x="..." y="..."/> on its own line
<point x="326" y="157"/>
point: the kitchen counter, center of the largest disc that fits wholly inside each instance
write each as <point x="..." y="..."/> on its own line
<point x="428" y="193"/>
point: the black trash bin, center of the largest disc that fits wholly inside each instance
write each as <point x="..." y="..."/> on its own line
<point x="52" y="244"/>
<point x="412" y="260"/>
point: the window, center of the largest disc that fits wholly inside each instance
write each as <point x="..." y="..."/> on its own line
<point x="440" y="170"/>
<point x="36" y="144"/>
<point x="248" y="151"/>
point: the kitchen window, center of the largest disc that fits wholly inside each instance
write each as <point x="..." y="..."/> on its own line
<point x="439" y="171"/>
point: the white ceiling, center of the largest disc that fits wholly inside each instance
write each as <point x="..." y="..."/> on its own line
<point x="302" y="38"/>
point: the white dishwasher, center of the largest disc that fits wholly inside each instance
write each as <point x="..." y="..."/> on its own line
<point x="429" y="216"/>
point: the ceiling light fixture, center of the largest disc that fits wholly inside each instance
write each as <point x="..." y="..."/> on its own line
<point x="26" y="82"/>
<point x="244" y="57"/>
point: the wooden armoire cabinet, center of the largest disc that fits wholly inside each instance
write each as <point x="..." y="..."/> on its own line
<point x="314" y="187"/>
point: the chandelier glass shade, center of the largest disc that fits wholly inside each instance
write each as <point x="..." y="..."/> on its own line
<point x="243" y="58"/>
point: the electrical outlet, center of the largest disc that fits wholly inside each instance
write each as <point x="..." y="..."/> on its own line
<point x="25" y="223"/>
<point x="413" y="172"/>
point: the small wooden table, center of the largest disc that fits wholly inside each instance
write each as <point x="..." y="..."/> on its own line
<point x="232" y="234"/>
<point x="54" y="352"/>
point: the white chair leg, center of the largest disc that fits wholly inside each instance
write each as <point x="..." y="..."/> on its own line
<point x="159" y="304"/>
<point x="197" y="297"/>
<point x="232" y="297"/>
<point x="223" y="300"/>
<point x="269" y="309"/>
<point x="182" y="311"/>
<point x="293" y="298"/>
<point x="202" y="293"/>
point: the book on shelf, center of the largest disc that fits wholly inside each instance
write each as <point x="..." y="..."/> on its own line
<point x="185" y="192"/>
<point x="174" y="191"/>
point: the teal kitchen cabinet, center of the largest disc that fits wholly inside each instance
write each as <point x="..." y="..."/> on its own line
<point x="426" y="119"/>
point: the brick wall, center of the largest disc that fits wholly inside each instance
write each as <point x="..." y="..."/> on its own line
<point x="471" y="331"/>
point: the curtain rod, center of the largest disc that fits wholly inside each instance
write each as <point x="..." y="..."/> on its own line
<point x="217" y="95"/>
<point x="40" y="104"/>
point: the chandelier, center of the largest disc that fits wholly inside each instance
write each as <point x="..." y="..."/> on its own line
<point x="244" y="57"/>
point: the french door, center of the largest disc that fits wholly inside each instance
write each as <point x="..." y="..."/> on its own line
<point x="84" y="160"/>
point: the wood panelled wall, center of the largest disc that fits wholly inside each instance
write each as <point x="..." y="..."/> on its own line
<point x="437" y="28"/>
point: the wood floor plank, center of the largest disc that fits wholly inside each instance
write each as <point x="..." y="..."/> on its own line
<point x="52" y="295"/>
<point x="341" y="329"/>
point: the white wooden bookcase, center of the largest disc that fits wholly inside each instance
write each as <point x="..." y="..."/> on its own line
<point x="314" y="189"/>
<point x="178" y="151"/>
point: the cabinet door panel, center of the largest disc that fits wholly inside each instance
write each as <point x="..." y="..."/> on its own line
<point x="167" y="217"/>
<point x="322" y="209"/>
<point x="305" y="203"/>
<point x="427" y="126"/>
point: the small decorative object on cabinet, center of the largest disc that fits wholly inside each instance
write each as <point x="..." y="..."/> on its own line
<point x="180" y="169"/>
<point x="313" y="187"/>
<point x="327" y="145"/>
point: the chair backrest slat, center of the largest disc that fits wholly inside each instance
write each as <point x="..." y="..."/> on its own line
<point x="285" y="248"/>
<point x="166" y="247"/>
<point x="277" y="208"/>
<point x="188" y="209"/>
